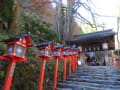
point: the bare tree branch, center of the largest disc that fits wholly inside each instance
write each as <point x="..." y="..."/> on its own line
<point x="85" y="20"/>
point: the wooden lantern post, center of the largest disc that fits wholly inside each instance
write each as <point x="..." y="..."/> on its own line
<point x="44" y="53"/>
<point x="70" y="60"/>
<point x="57" y="53"/>
<point x="76" y="56"/>
<point x="65" y="55"/>
<point x="15" y="51"/>
<point x="73" y="55"/>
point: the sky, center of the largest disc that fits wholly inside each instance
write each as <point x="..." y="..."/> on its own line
<point x="108" y="8"/>
<point x="103" y="7"/>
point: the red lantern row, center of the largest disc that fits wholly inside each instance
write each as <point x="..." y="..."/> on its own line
<point x="15" y="51"/>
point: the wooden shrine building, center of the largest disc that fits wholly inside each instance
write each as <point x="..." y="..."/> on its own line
<point x="94" y="41"/>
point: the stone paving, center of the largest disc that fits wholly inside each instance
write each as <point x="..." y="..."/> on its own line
<point x="92" y="78"/>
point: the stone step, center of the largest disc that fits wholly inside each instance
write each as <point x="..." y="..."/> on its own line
<point x="63" y="89"/>
<point x="72" y="84"/>
<point x="100" y="75"/>
<point x="106" y="82"/>
<point x="94" y="77"/>
<point x="106" y="69"/>
<point x="102" y="72"/>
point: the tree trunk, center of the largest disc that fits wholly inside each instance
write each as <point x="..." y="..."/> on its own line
<point x="14" y="24"/>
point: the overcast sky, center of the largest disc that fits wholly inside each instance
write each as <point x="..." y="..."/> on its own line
<point x="103" y="7"/>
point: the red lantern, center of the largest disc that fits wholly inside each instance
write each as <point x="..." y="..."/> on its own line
<point x="57" y="53"/>
<point x="65" y="55"/>
<point x="69" y="57"/>
<point x="15" y="51"/>
<point x="45" y="49"/>
<point x="74" y="58"/>
<point x="66" y="51"/>
<point x="45" y="52"/>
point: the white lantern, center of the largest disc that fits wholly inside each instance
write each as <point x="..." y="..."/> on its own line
<point x="105" y="46"/>
<point x="94" y="48"/>
<point x="80" y="48"/>
<point x="89" y="49"/>
<point x="98" y="48"/>
<point x="19" y="50"/>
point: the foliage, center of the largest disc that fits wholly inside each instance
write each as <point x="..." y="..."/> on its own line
<point x="39" y="31"/>
<point x="2" y="44"/>
<point x="6" y="9"/>
<point x="27" y="73"/>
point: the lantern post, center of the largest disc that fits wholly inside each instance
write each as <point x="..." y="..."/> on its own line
<point x="44" y="53"/>
<point x="74" y="56"/>
<point x="65" y="55"/>
<point x="15" y="51"/>
<point x="73" y="63"/>
<point x="70" y="60"/>
<point x="81" y="56"/>
<point x="57" y="53"/>
<point x="73" y="59"/>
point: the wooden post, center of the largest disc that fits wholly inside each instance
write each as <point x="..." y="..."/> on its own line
<point x="70" y="67"/>
<point x="41" y="78"/>
<point x="55" y="73"/>
<point x="9" y="75"/>
<point x="64" y="69"/>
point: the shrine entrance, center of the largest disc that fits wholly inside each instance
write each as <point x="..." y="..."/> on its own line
<point x="93" y="45"/>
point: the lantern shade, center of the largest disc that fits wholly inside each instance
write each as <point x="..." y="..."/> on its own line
<point x="59" y="53"/>
<point x="80" y="48"/>
<point x="74" y="51"/>
<point x="55" y="52"/>
<point x="48" y="52"/>
<point x="19" y="50"/>
<point x="105" y="46"/>
<point x="10" y="48"/>
<point x="42" y="51"/>
<point x="45" y="49"/>
<point x="64" y="53"/>
<point x="70" y="53"/>
<point x="89" y="49"/>
<point x="17" y="45"/>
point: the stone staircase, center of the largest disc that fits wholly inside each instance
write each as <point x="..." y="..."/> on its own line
<point x="92" y="78"/>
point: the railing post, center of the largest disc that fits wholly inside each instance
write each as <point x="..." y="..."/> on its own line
<point x="41" y="78"/>
<point x="55" y="73"/>
<point x="9" y="75"/>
